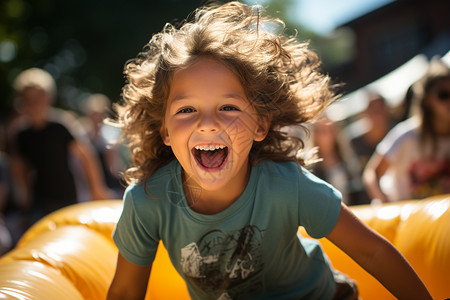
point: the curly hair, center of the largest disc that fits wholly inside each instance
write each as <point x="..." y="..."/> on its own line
<point x="437" y="72"/>
<point x="279" y="74"/>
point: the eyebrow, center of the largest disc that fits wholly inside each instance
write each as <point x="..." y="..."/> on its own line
<point x="178" y="97"/>
<point x="235" y="95"/>
<point x="181" y="96"/>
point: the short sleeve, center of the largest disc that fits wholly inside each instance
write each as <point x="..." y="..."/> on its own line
<point x="319" y="205"/>
<point x="131" y="237"/>
<point x="66" y="135"/>
<point x="387" y="146"/>
<point x="393" y="140"/>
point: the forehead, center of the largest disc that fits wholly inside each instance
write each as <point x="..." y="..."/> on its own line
<point x="32" y="92"/>
<point x="207" y="75"/>
<point x="443" y="82"/>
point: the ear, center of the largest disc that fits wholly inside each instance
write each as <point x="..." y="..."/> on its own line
<point x="262" y="129"/>
<point x="164" y="135"/>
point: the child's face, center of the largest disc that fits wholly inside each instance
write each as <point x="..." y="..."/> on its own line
<point x="439" y="100"/>
<point x="211" y="126"/>
<point x="34" y="103"/>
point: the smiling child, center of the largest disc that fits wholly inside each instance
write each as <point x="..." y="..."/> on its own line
<point x="219" y="183"/>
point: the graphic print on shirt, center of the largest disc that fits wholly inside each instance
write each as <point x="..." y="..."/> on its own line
<point x="430" y="177"/>
<point x="224" y="263"/>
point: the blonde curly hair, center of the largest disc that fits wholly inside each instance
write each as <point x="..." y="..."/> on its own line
<point x="279" y="74"/>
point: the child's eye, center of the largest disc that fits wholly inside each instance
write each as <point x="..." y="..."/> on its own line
<point x="229" y="108"/>
<point x="185" y="110"/>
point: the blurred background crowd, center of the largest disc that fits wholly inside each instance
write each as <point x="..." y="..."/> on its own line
<point x="387" y="138"/>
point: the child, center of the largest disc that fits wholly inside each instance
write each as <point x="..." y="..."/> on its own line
<point x="216" y="180"/>
<point x="416" y="152"/>
<point x="339" y="165"/>
<point x="43" y="147"/>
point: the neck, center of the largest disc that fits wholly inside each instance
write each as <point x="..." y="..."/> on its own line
<point x="375" y="134"/>
<point x="441" y="128"/>
<point x="38" y="123"/>
<point x="211" y="202"/>
<point x="208" y="204"/>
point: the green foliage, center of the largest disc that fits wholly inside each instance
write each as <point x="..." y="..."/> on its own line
<point x="334" y="49"/>
<point x="82" y="43"/>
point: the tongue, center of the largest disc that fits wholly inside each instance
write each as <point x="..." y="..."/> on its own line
<point x="212" y="159"/>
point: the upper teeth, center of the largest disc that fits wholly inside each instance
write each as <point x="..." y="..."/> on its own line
<point x="209" y="147"/>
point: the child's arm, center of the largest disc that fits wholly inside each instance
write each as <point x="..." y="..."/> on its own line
<point x="22" y="185"/>
<point x="130" y="281"/>
<point x="92" y="167"/>
<point x="374" y="170"/>
<point x="377" y="256"/>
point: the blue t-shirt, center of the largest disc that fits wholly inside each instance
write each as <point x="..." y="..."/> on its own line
<point x="250" y="250"/>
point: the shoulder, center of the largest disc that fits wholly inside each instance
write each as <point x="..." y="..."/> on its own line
<point x="150" y="207"/>
<point x="293" y="175"/>
<point x="283" y="169"/>
<point x="70" y="121"/>
<point x="55" y="125"/>
<point x="155" y="190"/>
<point x="281" y="176"/>
<point x="60" y="130"/>
<point x="314" y="203"/>
<point x="289" y="170"/>
<point x="403" y="131"/>
<point x="408" y="126"/>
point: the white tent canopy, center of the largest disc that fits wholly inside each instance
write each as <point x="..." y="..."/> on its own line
<point x="392" y="87"/>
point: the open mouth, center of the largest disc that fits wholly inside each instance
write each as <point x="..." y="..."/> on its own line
<point x="210" y="156"/>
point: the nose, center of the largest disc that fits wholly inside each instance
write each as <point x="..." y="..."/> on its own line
<point x="208" y="122"/>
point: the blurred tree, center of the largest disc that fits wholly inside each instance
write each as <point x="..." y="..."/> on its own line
<point x="335" y="49"/>
<point x="83" y="44"/>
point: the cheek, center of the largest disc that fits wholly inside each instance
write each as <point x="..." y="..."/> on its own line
<point x="241" y="134"/>
<point x="33" y="107"/>
<point x="432" y="106"/>
<point x="178" y="132"/>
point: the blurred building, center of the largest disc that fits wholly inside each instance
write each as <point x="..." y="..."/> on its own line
<point x="393" y="34"/>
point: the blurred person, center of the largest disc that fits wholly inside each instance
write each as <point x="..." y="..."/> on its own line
<point x="377" y="122"/>
<point x="413" y="160"/>
<point x="96" y="109"/>
<point x="6" y="239"/>
<point x="43" y="147"/>
<point x="338" y="164"/>
<point x="403" y="110"/>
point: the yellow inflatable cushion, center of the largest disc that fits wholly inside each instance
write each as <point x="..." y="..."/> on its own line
<point x="73" y="249"/>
